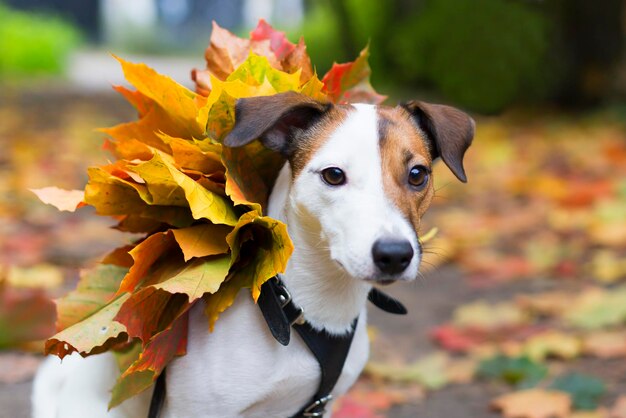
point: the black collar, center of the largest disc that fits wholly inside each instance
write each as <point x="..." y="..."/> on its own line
<point x="331" y="351"/>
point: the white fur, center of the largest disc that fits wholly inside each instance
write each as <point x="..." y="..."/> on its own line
<point x="239" y="370"/>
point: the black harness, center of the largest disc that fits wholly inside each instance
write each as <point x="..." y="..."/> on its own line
<point x="330" y="351"/>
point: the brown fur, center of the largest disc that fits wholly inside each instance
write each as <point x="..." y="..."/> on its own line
<point x="311" y="139"/>
<point x="402" y="146"/>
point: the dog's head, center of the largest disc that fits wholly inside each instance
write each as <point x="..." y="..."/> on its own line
<point x="361" y="174"/>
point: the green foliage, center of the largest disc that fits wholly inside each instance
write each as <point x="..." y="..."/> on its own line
<point x="584" y="390"/>
<point x="520" y="372"/>
<point x="34" y="44"/>
<point x="483" y="54"/>
<point x="321" y="33"/>
<point x="480" y="54"/>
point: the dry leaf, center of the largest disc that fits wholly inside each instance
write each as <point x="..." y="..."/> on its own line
<point x="534" y="403"/>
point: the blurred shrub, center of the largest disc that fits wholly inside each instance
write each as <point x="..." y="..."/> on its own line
<point x="34" y="44"/>
<point x="322" y="36"/>
<point x="483" y="54"/>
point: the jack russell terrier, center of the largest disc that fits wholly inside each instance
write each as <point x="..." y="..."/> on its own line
<point x="352" y="193"/>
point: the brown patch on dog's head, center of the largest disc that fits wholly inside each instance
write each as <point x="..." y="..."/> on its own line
<point x="449" y="131"/>
<point x="402" y="147"/>
<point x="415" y="134"/>
<point x="308" y="141"/>
<point x="292" y="124"/>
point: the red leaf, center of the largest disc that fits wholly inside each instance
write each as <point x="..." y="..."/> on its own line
<point x="349" y="82"/>
<point x="25" y="315"/>
<point x="149" y="309"/>
<point x="280" y="45"/>
<point x="454" y="339"/>
<point x="349" y="408"/>
<point x="161" y="349"/>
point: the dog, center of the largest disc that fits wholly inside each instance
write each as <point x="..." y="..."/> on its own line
<point x="357" y="180"/>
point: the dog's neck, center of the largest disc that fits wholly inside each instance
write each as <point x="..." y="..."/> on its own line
<point x="330" y="298"/>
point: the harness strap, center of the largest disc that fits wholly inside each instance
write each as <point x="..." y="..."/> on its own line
<point x="158" y="396"/>
<point x="281" y="314"/>
<point x="330" y="351"/>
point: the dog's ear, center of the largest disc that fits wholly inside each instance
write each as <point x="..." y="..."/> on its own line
<point x="274" y="119"/>
<point x="449" y="130"/>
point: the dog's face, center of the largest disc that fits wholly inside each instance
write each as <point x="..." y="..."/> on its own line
<point x="361" y="174"/>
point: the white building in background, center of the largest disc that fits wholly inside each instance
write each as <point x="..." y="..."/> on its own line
<point x="282" y="13"/>
<point x="186" y="24"/>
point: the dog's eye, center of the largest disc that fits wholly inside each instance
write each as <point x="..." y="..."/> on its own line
<point x="418" y="176"/>
<point x="334" y="176"/>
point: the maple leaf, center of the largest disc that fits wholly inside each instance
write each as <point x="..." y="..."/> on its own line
<point x="519" y="371"/>
<point x="344" y="83"/>
<point x="182" y="104"/>
<point x="619" y="409"/>
<point x="552" y="344"/>
<point x="585" y="391"/>
<point x="349" y="82"/>
<point x="456" y="339"/>
<point x="68" y="200"/>
<point x="144" y="256"/>
<point x="483" y="315"/>
<point x="92" y="335"/>
<point x="202" y="240"/>
<point x="199" y="204"/>
<point x="534" y="403"/>
<point x="261" y="246"/>
<point x="26" y="315"/>
<point x="96" y="288"/>
<point x="159" y="351"/>
<point x="596" y="308"/>
<point x="605" y="344"/>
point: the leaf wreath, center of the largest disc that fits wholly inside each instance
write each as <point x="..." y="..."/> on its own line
<point x="196" y="201"/>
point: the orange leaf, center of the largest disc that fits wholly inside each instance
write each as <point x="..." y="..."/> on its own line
<point x="144" y="256"/>
<point x="150" y="310"/>
<point x="349" y="82"/>
<point x="534" y="403"/>
<point x="202" y="240"/>
<point x="218" y="302"/>
<point x="270" y="248"/>
<point x="136" y="98"/>
<point x="161" y="349"/>
<point x="180" y="103"/>
<point x="299" y="59"/>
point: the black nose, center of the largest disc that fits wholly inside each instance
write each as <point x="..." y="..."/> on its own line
<point x="392" y="256"/>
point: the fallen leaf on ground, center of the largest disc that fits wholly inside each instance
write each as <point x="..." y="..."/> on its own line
<point x="552" y="344"/>
<point x="484" y="315"/>
<point x="534" y="403"/>
<point x="605" y="344"/>
<point x="41" y="276"/>
<point x="585" y="391"/>
<point x="619" y="409"/>
<point x="519" y="371"/>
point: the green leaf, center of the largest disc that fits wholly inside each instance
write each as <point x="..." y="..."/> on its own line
<point x="585" y="391"/>
<point x="95" y="289"/>
<point x="200" y="276"/>
<point x="520" y="372"/>
<point x="92" y="335"/>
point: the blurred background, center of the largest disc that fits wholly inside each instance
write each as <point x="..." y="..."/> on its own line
<point x="525" y="280"/>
